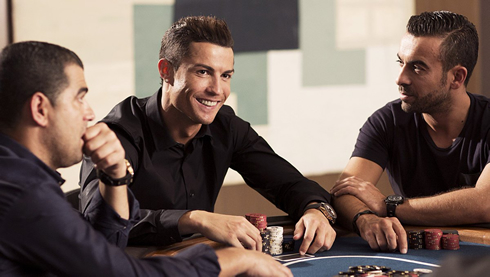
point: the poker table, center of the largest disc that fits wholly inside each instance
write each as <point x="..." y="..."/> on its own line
<point x="351" y="250"/>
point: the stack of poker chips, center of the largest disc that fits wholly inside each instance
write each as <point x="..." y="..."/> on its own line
<point x="257" y="220"/>
<point x="276" y="238"/>
<point x="433" y="239"/>
<point x="260" y="222"/>
<point x="416" y="239"/>
<point x="374" y="270"/>
<point x="450" y="241"/>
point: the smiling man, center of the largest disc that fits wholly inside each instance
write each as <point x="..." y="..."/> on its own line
<point x="434" y="141"/>
<point x="182" y="140"/>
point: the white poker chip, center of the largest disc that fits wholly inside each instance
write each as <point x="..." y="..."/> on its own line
<point x="422" y="270"/>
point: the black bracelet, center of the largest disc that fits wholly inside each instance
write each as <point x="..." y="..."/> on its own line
<point x="354" y="224"/>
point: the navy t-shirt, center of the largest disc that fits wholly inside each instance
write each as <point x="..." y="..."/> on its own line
<point x="400" y="143"/>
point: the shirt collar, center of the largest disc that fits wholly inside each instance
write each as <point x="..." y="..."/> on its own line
<point x="21" y="152"/>
<point x="159" y="131"/>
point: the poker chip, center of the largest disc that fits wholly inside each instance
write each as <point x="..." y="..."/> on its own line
<point x="276" y="239"/>
<point x="433" y="239"/>
<point x="450" y="241"/>
<point x="374" y="270"/>
<point x="416" y="239"/>
<point x="257" y="220"/>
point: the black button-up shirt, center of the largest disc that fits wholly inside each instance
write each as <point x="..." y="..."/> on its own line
<point x="42" y="235"/>
<point x="171" y="178"/>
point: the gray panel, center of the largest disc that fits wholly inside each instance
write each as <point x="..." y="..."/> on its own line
<point x="250" y="84"/>
<point x="150" y="24"/>
<point x="323" y="63"/>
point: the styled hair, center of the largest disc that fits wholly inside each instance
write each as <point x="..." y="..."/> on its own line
<point x="460" y="38"/>
<point x="177" y="39"/>
<point x="29" y="67"/>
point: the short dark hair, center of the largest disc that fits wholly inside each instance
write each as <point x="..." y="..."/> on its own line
<point x="460" y="44"/>
<point x="177" y="39"/>
<point x="29" y="67"/>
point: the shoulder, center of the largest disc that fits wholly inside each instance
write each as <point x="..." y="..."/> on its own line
<point x="128" y="117"/>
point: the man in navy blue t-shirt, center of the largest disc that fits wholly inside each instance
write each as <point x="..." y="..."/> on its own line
<point x="433" y="141"/>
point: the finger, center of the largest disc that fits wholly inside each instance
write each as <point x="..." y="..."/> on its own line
<point x="309" y="236"/>
<point x="401" y="238"/>
<point x="318" y="242"/>
<point x="298" y="230"/>
<point x="372" y="241"/>
<point x="330" y="238"/>
<point x="391" y="240"/>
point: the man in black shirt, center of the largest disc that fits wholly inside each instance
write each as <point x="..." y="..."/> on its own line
<point x="43" y="126"/>
<point x="182" y="140"/>
<point x="434" y="141"/>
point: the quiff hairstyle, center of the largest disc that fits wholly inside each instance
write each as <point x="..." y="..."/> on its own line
<point x="460" y="38"/>
<point x="177" y="39"/>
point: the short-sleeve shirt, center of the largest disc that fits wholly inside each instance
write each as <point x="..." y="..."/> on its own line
<point x="400" y="143"/>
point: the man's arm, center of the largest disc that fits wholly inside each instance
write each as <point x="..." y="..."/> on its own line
<point x="384" y="234"/>
<point x="463" y="206"/>
<point x="282" y="184"/>
<point x="106" y="152"/>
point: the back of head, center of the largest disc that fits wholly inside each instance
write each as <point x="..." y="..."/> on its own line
<point x="460" y="38"/>
<point x="30" y="67"/>
<point x="177" y="39"/>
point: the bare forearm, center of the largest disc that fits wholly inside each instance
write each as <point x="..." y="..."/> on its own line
<point x="347" y="206"/>
<point x="465" y="206"/>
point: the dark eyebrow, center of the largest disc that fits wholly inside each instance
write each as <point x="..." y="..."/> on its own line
<point x="212" y="69"/>
<point x="416" y="62"/>
<point x="82" y="90"/>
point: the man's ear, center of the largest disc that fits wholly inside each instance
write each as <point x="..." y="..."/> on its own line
<point x="459" y="73"/>
<point x="38" y="107"/>
<point x="166" y="71"/>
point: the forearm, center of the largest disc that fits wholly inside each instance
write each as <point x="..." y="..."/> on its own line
<point x="347" y="206"/>
<point x="464" y="206"/>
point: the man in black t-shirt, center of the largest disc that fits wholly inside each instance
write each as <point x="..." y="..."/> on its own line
<point x="433" y="141"/>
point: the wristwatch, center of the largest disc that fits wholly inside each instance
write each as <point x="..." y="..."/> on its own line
<point x="391" y="202"/>
<point x="326" y="210"/>
<point x="126" y="180"/>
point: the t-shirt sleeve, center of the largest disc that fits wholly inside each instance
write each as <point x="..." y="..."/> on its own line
<point x="374" y="139"/>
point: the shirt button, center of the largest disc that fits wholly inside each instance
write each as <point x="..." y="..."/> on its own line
<point x="192" y="194"/>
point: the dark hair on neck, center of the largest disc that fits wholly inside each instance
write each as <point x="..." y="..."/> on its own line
<point x="176" y="41"/>
<point x="29" y="67"/>
<point x="460" y="38"/>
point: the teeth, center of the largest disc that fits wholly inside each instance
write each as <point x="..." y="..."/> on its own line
<point x="207" y="103"/>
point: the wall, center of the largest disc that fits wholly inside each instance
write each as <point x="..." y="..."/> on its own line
<point x="316" y="96"/>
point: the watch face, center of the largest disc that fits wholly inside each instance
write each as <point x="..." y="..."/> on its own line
<point x="396" y="198"/>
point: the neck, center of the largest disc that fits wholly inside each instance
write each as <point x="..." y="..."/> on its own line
<point x="30" y="139"/>
<point x="181" y="128"/>
<point x="445" y="127"/>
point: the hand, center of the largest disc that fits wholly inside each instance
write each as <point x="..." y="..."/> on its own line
<point x="233" y="230"/>
<point x="365" y="191"/>
<point x="105" y="150"/>
<point x="314" y="225"/>
<point x="383" y="234"/>
<point x="241" y="262"/>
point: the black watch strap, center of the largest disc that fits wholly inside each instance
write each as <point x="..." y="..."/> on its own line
<point x="126" y="180"/>
<point x="354" y="221"/>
